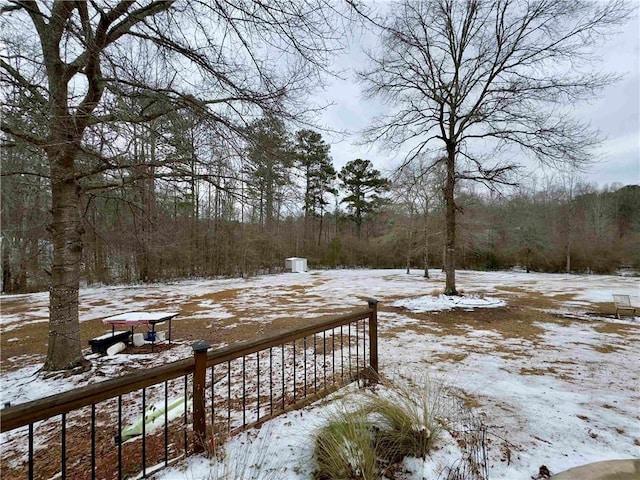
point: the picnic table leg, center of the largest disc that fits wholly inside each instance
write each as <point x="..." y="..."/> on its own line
<point x="169" y="337"/>
<point x="153" y="336"/>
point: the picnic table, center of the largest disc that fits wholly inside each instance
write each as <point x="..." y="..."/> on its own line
<point x="134" y="319"/>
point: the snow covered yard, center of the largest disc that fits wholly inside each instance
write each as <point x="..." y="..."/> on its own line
<point x="539" y="357"/>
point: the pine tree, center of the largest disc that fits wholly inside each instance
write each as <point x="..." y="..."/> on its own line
<point x="364" y="185"/>
<point x="312" y="155"/>
<point x="269" y="161"/>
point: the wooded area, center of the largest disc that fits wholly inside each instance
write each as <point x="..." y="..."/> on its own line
<point x="158" y="230"/>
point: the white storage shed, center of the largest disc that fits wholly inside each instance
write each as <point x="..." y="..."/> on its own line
<point x="295" y="264"/>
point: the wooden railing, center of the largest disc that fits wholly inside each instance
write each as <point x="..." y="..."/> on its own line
<point x="82" y="433"/>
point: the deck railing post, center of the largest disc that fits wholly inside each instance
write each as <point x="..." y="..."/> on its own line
<point x="199" y="377"/>
<point x="373" y="338"/>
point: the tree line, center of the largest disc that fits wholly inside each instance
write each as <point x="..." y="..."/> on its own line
<point x="236" y="214"/>
<point x="292" y="202"/>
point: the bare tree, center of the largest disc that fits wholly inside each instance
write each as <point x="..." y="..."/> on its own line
<point x="570" y="180"/>
<point x="470" y="78"/>
<point x="76" y="64"/>
<point x="416" y="186"/>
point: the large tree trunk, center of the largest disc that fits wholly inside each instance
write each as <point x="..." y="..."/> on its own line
<point x="450" y="224"/>
<point x="64" y="350"/>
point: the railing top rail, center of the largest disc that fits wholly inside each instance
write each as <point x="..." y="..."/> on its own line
<point x="41" y="409"/>
<point x="246" y="348"/>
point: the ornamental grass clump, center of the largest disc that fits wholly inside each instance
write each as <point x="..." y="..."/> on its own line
<point x="345" y="449"/>
<point x="407" y="418"/>
<point x="402" y="419"/>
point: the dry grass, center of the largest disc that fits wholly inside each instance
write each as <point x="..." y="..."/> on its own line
<point x="542" y="372"/>
<point x="621" y="329"/>
<point x="535" y="299"/>
<point x="510" y="322"/>
<point x="523" y="319"/>
<point x="447" y="357"/>
<point x="520" y="325"/>
<point x="32" y="337"/>
<point x="608" y="348"/>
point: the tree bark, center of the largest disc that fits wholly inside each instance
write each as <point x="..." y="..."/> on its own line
<point x="450" y="224"/>
<point x="64" y="350"/>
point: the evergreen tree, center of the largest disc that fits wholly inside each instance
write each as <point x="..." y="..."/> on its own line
<point x="364" y="185"/>
<point x="312" y="155"/>
<point x="270" y="159"/>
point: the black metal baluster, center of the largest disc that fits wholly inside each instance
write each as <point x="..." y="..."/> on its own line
<point x="357" y="352"/>
<point x="119" y="437"/>
<point x="93" y="440"/>
<point x="30" y="461"/>
<point x="333" y="355"/>
<point x="244" y="391"/>
<point x="304" y="344"/>
<point x="364" y="343"/>
<point x="144" y="432"/>
<point x="270" y="380"/>
<point x="315" y="364"/>
<point x="63" y="440"/>
<point x="283" y="389"/>
<point x="324" y="357"/>
<point x="341" y="355"/>
<point x="294" y="370"/>
<point x="213" y="399"/>
<point x="166" y="423"/>
<point x="228" y="395"/>
<point x="258" y="386"/>
<point x="349" y="340"/>
<point x="186" y="422"/>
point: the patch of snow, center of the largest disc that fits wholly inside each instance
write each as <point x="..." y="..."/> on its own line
<point x="429" y="303"/>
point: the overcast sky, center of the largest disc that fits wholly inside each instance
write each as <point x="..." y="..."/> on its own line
<point x="616" y="114"/>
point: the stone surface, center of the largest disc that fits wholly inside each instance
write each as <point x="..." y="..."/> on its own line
<point x="609" y="470"/>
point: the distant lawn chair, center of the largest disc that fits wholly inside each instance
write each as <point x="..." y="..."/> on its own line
<point x="623" y="304"/>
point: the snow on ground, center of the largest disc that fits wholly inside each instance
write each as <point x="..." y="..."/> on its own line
<point x="431" y="303"/>
<point x="320" y="289"/>
<point x="565" y="395"/>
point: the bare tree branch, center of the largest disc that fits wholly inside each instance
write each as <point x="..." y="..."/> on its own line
<point x="459" y="74"/>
